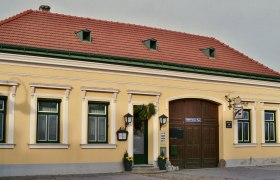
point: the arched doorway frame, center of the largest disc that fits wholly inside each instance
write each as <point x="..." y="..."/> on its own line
<point x="221" y="108"/>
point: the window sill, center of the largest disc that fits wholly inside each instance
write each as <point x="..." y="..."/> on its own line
<point x="7" y="146"/>
<point x="245" y="145"/>
<point x="271" y="144"/>
<point x="48" y="146"/>
<point x="98" y="146"/>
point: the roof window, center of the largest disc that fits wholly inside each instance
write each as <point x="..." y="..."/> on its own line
<point x="151" y="44"/>
<point x="210" y="52"/>
<point x="84" y="35"/>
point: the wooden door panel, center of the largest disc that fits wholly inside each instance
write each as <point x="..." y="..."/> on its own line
<point x="199" y="146"/>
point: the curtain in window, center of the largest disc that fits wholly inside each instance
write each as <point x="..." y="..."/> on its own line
<point x="92" y="127"/>
<point x="1" y="126"/>
<point x="97" y="109"/>
<point x="48" y="106"/>
<point x="52" y="127"/>
<point x="42" y="127"/>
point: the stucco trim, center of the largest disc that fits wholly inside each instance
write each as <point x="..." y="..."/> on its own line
<point x="98" y="146"/>
<point x="48" y="146"/>
<point x="9" y="83"/>
<point x="241" y="145"/>
<point x="270" y="144"/>
<point x="7" y="146"/>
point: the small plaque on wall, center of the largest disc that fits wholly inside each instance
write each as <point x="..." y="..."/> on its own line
<point x="228" y="124"/>
<point x="162" y="137"/>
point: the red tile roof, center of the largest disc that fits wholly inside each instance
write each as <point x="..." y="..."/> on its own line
<point x="57" y="31"/>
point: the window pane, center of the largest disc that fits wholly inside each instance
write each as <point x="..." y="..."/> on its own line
<point x="92" y="121"/>
<point x="1" y="105"/>
<point x="52" y="127"/>
<point x="266" y="131"/>
<point x="246" y="115"/>
<point x="97" y="109"/>
<point x="42" y="128"/>
<point x="246" y="132"/>
<point x="240" y="133"/>
<point x="269" y="116"/>
<point x="48" y="107"/>
<point x="101" y="129"/>
<point x="271" y="132"/>
<point x="1" y="126"/>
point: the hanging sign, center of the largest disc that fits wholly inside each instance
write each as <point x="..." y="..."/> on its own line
<point x="192" y="119"/>
<point x="238" y="112"/>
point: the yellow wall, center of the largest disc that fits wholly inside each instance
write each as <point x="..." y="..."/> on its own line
<point x="169" y="88"/>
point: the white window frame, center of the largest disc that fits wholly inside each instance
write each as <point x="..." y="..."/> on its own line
<point x="63" y="115"/>
<point x="111" y="116"/>
<point x="253" y="125"/>
<point x="10" y="112"/>
<point x="264" y="108"/>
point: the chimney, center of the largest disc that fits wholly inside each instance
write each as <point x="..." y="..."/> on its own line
<point x="45" y="8"/>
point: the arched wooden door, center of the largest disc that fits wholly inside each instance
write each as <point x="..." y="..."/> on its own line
<point x="193" y="133"/>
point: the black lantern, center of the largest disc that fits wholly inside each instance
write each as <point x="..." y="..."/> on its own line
<point x="162" y="120"/>
<point x="127" y="119"/>
<point x="122" y="134"/>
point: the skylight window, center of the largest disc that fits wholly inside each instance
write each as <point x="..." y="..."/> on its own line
<point x="210" y="52"/>
<point x="151" y="44"/>
<point x="84" y="35"/>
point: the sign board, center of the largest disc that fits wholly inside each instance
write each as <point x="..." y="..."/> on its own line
<point x="228" y="124"/>
<point x="162" y="137"/>
<point x="238" y="112"/>
<point x="192" y="119"/>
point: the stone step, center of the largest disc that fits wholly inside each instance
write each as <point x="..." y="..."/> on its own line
<point x="146" y="169"/>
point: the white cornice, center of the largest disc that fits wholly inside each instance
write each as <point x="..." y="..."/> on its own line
<point x="270" y="101"/>
<point x="9" y="83"/>
<point x="51" y="86"/>
<point x="95" y="89"/>
<point x="25" y="60"/>
<point x="248" y="100"/>
<point x="150" y="93"/>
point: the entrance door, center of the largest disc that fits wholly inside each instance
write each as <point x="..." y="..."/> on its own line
<point x="193" y="133"/>
<point x="140" y="142"/>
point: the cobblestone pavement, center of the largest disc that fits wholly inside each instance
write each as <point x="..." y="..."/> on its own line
<point x="240" y="173"/>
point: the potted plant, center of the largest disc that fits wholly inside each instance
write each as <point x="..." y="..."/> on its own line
<point x="162" y="161"/>
<point x="127" y="161"/>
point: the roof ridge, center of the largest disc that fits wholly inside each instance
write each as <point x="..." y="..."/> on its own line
<point x="9" y="19"/>
<point x="124" y="23"/>
<point x="244" y="55"/>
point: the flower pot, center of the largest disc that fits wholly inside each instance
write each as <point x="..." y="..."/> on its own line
<point x="161" y="164"/>
<point x="127" y="165"/>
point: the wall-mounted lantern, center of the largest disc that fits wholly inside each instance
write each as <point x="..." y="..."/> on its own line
<point x="162" y="120"/>
<point x="127" y="119"/>
<point x="122" y="134"/>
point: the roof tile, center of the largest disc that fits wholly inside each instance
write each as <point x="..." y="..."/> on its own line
<point x="57" y="31"/>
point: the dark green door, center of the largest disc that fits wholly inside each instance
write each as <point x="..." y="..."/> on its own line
<point x="140" y="142"/>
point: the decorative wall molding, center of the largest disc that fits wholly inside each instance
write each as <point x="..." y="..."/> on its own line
<point x="25" y="60"/>
<point x="33" y="109"/>
<point x="98" y="146"/>
<point x="11" y="113"/>
<point x="112" y="118"/>
<point x="149" y="93"/>
<point x="9" y="83"/>
<point x="48" y="146"/>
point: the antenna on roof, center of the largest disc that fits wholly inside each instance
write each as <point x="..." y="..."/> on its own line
<point x="45" y="8"/>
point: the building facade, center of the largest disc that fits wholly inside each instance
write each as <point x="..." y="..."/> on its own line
<point x="66" y="82"/>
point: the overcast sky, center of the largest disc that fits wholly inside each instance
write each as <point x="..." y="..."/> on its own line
<point x="250" y="26"/>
